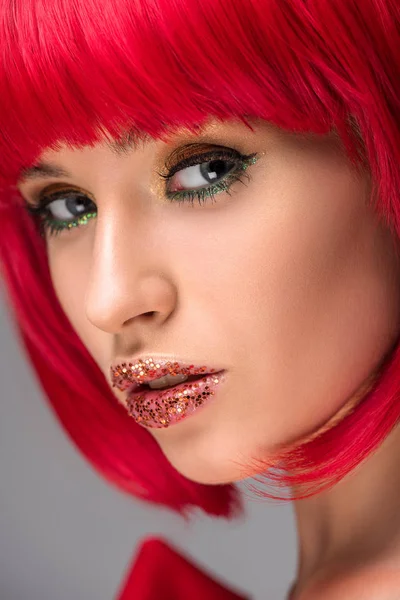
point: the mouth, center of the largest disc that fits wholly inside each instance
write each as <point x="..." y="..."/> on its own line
<point x="164" y="407"/>
<point x="162" y="393"/>
<point x="164" y="383"/>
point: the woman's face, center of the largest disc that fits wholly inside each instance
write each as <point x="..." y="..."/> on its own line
<point x="289" y="283"/>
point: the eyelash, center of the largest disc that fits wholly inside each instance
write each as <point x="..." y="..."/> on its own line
<point x="52" y="226"/>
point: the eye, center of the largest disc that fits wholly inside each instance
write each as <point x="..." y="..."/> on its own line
<point x="197" y="176"/>
<point x="63" y="209"/>
<point x="74" y="205"/>
<point x="202" y="176"/>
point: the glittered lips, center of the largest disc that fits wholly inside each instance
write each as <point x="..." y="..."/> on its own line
<point x="160" y="408"/>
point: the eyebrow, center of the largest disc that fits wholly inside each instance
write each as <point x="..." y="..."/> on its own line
<point x="43" y="170"/>
<point x="130" y="140"/>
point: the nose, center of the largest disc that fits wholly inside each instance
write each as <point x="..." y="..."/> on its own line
<point x="127" y="281"/>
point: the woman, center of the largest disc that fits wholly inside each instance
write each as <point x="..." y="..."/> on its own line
<point x="268" y="312"/>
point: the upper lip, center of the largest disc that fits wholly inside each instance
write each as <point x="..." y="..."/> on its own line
<point x="130" y="374"/>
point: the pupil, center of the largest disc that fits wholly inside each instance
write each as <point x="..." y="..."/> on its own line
<point x="214" y="169"/>
<point x="76" y="206"/>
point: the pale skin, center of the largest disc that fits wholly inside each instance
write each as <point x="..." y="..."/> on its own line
<point x="290" y="283"/>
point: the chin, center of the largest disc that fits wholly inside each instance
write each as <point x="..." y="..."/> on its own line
<point x="207" y="469"/>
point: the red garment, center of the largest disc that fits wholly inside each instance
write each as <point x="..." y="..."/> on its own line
<point x="159" y="572"/>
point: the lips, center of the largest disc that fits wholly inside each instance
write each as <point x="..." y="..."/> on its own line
<point x="163" y="407"/>
<point x="131" y="375"/>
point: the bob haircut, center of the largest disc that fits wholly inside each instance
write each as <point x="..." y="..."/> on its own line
<point x="138" y="69"/>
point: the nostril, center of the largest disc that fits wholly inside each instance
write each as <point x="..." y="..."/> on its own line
<point x="149" y="314"/>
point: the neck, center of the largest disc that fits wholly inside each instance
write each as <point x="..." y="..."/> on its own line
<point x="354" y="524"/>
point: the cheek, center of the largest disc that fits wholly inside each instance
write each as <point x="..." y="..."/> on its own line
<point x="69" y="265"/>
<point x="310" y="296"/>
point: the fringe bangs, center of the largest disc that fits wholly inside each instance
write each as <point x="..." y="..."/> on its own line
<point x="76" y="70"/>
<point x="72" y="72"/>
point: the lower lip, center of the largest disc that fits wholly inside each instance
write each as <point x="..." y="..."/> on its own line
<point x="165" y="407"/>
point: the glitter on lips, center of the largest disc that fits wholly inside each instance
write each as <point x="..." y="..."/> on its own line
<point x="170" y="404"/>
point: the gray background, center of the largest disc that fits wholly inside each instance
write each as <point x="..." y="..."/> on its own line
<point x="66" y="534"/>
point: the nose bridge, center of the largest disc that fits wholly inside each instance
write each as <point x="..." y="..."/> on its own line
<point x="126" y="280"/>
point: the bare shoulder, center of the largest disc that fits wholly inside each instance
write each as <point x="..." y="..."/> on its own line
<point x="370" y="583"/>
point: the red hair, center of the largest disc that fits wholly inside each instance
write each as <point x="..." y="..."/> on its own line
<point x="72" y="70"/>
